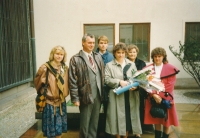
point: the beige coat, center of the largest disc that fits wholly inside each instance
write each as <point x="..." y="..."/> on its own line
<point x="115" y="120"/>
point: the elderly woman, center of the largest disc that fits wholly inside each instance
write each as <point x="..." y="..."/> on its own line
<point x="123" y="110"/>
<point x="167" y="73"/>
<point x="54" y="116"/>
<point x="133" y="51"/>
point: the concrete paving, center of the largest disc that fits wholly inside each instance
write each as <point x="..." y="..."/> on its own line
<point x="187" y="103"/>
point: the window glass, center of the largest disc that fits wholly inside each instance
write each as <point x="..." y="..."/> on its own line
<point x="137" y="34"/>
<point x="16" y="63"/>
<point x="99" y="30"/>
<point x="192" y="31"/>
<point x="192" y="41"/>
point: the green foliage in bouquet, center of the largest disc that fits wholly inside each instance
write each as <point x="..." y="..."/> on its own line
<point x="142" y="76"/>
<point x="69" y="103"/>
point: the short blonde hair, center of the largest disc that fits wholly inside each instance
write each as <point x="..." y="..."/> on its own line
<point x="53" y="50"/>
<point x="103" y="38"/>
<point x="130" y="47"/>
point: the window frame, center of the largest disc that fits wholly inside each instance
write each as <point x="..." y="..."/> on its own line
<point x="100" y="24"/>
<point x="186" y="28"/>
<point x="191" y="45"/>
<point x="16" y="68"/>
<point x="149" y="30"/>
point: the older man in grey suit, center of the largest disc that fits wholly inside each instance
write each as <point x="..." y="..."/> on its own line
<point x="86" y="80"/>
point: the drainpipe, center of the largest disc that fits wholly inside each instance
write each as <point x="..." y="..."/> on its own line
<point x="32" y="37"/>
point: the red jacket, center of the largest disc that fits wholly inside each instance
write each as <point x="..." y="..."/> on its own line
<point x="168" y="77"/>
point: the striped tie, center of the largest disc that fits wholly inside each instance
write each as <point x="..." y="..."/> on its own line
<point x="92" y="62"/>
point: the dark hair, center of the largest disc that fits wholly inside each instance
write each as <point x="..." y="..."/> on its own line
<point x="119" y="46"/>
<point x="159" y="51"/>
<point x="87" y="35"/>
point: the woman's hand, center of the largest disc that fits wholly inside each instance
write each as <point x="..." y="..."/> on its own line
<point x="157" y="98"/>
<point x="123" y="83"/>
<point x="76" y="103"/>
<point x="133" y="88"/>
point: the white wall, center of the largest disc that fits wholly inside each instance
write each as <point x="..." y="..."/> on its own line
<point x="61" y="22"/>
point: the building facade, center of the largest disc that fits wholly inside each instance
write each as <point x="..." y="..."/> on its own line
<point x="148" y="24"/>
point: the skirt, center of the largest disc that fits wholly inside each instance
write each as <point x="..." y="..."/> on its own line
<point x="54" y="125"/>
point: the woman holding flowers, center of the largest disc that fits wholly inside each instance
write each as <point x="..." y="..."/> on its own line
<point x="123" y="110"/>
<point x="133" y="51"/>
<point x="167" y="74"/>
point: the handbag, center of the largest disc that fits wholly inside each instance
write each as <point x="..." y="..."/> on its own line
<point x="40" y="100"/>
<point x="160" y="110"/>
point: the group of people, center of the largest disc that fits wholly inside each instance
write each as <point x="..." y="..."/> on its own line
<point x="91" y="79"/>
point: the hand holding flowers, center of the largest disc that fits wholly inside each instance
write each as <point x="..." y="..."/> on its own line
<point x="143" y="78"/>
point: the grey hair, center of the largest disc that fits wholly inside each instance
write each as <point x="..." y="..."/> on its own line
<point x="87" y="35"/>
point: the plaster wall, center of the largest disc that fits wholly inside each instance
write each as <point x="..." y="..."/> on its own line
<point x="61" y="22"/>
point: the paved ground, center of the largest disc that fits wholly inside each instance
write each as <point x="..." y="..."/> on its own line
<point x="188" y="109"/>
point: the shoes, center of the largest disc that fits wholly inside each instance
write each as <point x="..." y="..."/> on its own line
<point x="135" y="136"/>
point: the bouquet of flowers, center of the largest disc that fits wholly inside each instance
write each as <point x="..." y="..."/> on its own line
<point x="144" y="78"/>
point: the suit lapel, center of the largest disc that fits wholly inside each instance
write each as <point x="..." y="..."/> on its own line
<point x="87" y="61"/>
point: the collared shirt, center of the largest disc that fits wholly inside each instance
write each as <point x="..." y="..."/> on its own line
<point x="87" y="54"/>
<point x="101" y="53"/>
<point x="92" y="61"/>
<point x="123" y="64"/>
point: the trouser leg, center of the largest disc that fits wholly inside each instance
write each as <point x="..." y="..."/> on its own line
<point x="94" y="118"/>
<point x="85" y="112"/>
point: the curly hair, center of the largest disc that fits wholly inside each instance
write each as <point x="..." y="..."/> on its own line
<point x="159" y="51"/>
<point x="130" y="47"/>
<point x="53" y="50"/>
<point x="119" y="46"/>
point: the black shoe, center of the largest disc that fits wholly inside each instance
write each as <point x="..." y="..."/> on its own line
<point x="165" y="135"/>
<point x="158" y="134"/>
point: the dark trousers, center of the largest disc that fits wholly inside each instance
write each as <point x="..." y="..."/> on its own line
<point x="145" y="127"/>
<point x="89" y="116"/>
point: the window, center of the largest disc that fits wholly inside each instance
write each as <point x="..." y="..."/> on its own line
<point x="192" y="31"/>
<point x="192" y="41"/>
<point x="101" y="29"/>
<point x="15" y="49"/>
<point x="138" y="34"/>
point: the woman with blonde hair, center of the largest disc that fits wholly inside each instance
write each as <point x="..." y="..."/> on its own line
<point x="54" y="116"/>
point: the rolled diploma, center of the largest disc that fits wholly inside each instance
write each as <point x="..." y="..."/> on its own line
<point x="120" y="90"/>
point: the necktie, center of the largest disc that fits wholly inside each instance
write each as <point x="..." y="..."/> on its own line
<point x="91" y="62"/>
